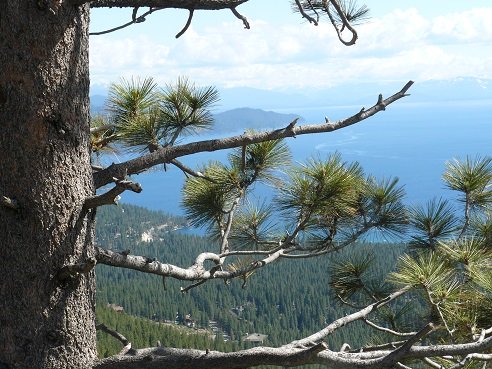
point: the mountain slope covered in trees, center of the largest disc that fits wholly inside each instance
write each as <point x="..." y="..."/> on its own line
<point x="286" y="301"/>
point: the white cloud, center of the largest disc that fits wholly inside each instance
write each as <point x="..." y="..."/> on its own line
<point x="400" y="45"/>
<point x="473" y="25"/>
<point x="394" y="31"/>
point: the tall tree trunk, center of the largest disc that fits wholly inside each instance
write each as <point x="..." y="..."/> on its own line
<point x="45" y="176"/>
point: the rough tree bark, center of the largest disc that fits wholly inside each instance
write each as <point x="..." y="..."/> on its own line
<point x="45" y="175"/>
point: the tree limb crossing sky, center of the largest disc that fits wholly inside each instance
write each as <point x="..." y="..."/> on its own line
<point x="403" y="40"/>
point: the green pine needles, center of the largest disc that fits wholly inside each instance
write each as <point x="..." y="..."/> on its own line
<point x="145" y="117"/>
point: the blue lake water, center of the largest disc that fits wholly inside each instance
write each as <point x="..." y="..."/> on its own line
<point x="410" y="141"/>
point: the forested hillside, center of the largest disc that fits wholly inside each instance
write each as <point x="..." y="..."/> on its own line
<point x="286" y="301"/>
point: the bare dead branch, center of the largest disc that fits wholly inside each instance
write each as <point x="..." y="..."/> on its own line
<point x="169" y="4"/>
<point x="295" y="353"/>
<point x="401" y="366"/>
<point x="432" y="363"/>
<point x="109" y="197"/>
<point x="166" y="154"/>
<point x="135" y="19"/>
<point x="470" y="357"/>
<point x="193" y="273"/>
<point x="140" y="263"/>
<point x="74" y="270"/>
<point x="483" y="334"/>
<point x="345" y="347"/>
<point x="385" y="346"/>
<point x="51" y="5"/>
<point x="169" y="358"/>
<point x="99" y="144"/>
<point x="103" y="128"/>
<point x="387" y="330"/>
<point x="187" y="25"/>
<point x="190" y="171"/>
<point x="401" y="351"/>
<point x="8" y="202"/>
<point x="241" y="17"/>
<point x="318" y="336"/>
<point x="345" y="23"/>
<point x="304" y="14"/>
<point x="127" y="344"/>
<point x="193" y="285"/>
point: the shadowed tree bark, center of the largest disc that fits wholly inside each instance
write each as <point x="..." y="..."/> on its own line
<point x="45" y="170"/>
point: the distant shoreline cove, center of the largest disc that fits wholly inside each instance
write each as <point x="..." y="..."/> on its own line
<point x="411" y="141"/>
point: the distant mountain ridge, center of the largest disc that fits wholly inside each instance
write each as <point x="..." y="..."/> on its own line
<point x="235" y="120"/>
<point x="248" y="108"/>
<point x="248" y="118"/>
<point x="461" y="88"/>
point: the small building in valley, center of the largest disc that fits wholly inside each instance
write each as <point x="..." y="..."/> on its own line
<point x="256" y="338"/>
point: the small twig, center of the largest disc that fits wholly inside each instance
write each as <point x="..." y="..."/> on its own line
<point x="190" y="171"/>
<point x="134" y="20"/>
<point x="345" y="347"/>
<point x="384" y="346"/>
<point x="72" y="271"/>
<point x="187" y="25"/>
<point x="435" y="306"/>
<point x="193" y="285"/>
<point x="345" y="23"/>
<point x="134" y="13"/>
<point x="433" y="364"/>
<point x="104" y="127"/>
<point x="241" y="17"/>
<point x="103" y="142"/>
<point x="127" y="344"/>
<point x="9" y="203"/>
<point x="348" y="303"/>
<point x="291" y="126"/>
<point x="254" y="252"/>
<point x="401" y="366"/>
<point x="314" y="10"/>
<point x="470" y="357"/>
<point x="304" y="14"/>
<point x="109" y="197"/>
<point x="380" y="102"/>
<point x="400" y="352"/>
<point x="243" y="158"/>
<point x="224" y="246"/>
<point x="387" y="330"/>
<point x="483" y="334"/>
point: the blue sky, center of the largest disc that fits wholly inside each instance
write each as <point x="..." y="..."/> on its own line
<point x="418" y="39"/>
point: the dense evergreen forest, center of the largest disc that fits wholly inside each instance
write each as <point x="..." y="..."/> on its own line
<point x="285" y="301"/>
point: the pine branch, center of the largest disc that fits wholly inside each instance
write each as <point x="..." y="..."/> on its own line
<point x="166" y="154"/>
<point x="170" y="4"/>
